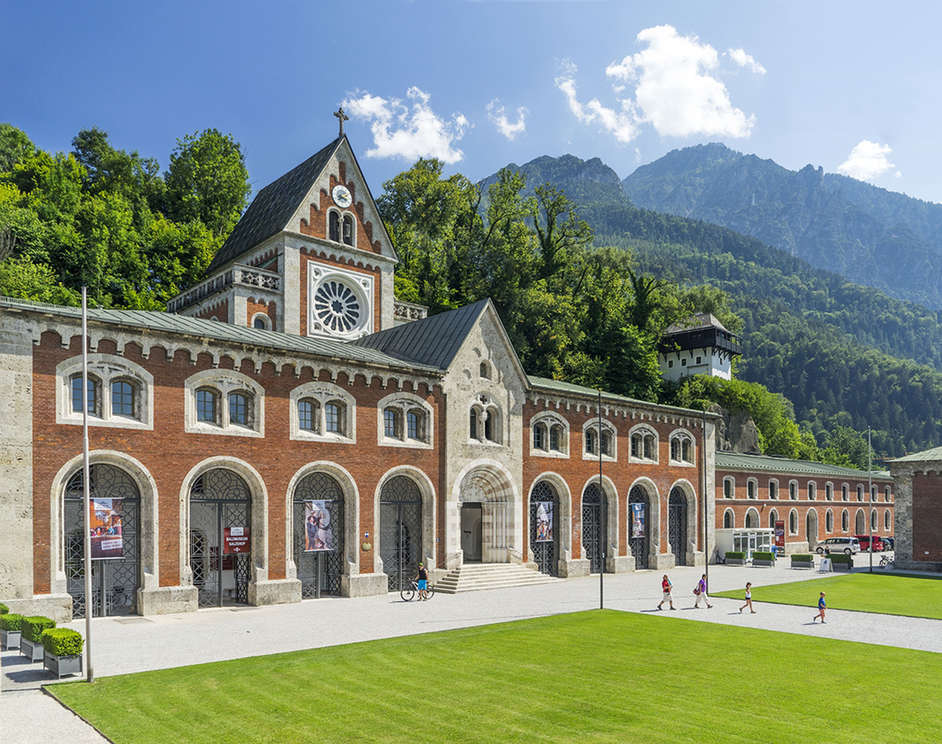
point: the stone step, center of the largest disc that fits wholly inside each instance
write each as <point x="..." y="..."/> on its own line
<point x="481" y="576"/>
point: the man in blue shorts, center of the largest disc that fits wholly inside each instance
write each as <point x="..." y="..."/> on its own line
<point x="422" y="579"/>
<point x="822" y="606"/>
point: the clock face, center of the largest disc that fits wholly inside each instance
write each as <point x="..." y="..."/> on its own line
<point x="342" y="196"/>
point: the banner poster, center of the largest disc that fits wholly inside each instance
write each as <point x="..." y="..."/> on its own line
<point x="318" y="530"/>
<point x="637" y="519"/>
<point x="780" y="533"/>
<point x="105" y="527"/>
<point x="236" y="540"/>
<point x="544" y="521"/>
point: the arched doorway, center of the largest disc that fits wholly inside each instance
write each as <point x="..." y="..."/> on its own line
<point x="639" y="525"/>
<point x="486" y="520"/>
<point x="318" y="534"/>
<point x="400" y="528"/>
<point x="811" y="528"/>
<point x="544" y="527"/>
<point x="677" y="525"/>
<point x="220" y="538"/>
<point x="116" y="522"/>
<point x="860" y="523"/>
<point x="594" y="504"/>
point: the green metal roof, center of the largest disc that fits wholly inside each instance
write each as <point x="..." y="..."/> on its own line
<point x="929" y="455"/>
<point x="772" y="464"/>
<point x="215" y="330"/>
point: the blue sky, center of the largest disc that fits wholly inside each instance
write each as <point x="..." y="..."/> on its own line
<point x="849" y="85"/>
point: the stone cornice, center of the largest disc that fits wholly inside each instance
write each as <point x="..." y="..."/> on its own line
<point x="634" y="413"/>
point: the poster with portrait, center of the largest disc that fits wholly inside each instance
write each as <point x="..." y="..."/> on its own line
<point x="637" y="519"/>
<point x="105" y="525"/>
<point x="318" y="529"/>
<point x="544" y="521"/>
<point x="780" y="533"/>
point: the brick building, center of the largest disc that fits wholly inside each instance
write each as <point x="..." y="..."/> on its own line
<point x="919" y="510"/>
<point x="290" y="430"/>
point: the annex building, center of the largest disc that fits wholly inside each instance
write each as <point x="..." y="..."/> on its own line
<point x="290" y="430"/>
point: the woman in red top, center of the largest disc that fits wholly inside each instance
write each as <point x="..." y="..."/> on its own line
<point x="666" y="589"/>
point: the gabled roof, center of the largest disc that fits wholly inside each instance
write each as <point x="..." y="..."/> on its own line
<point x="772" y="464"/>
<point x="696" y="323"/>
<point x="273" y="206"/>
<point x="433" y="341"/>
<point x="223" y="332"/>
<point x="929" y="455"/>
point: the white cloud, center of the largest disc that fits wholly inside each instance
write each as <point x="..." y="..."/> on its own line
<point x="619" y="123"/>
<point x="510" y="129"/>
<point x="743" y="59"/>
<point x="867" y="161"/>
<point x="408" y="129"/>
<point x="674" y="89"/>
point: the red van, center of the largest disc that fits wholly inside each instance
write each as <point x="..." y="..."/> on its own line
<point x="864" y="540"/>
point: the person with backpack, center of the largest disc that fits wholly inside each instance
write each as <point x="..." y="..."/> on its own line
<point x="666" y="593"/>
<point x="701" y="593"/>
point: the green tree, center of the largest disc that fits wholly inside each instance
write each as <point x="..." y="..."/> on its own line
<point x="15" y="146"/>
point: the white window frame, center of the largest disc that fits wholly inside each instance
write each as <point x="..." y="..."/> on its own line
<point x="404" y="402"/>
<point x="793" y="513"/>
<point x="797" y="496"/>
<point x="362" y="286"/>
<point x="811" y="490"/>
<point x="224" y="381"/>
<point x="829" y="517"/>
<point x="777" y="489"/>
<point x="845" y="492"/>
<point x="265" y="319"/>
<point x="682" y="434"/>
<point x="607" y="426"/>
<point x="107" y="368"/>
<point x="829" y="491"/>
<point x="729" y="510"/>
<point x="639" y="428"/>
<point x="550" y="419"/>
<point x="323" y="393"/>
<point x="754" y="482"/>
<point x="732" y="487"/>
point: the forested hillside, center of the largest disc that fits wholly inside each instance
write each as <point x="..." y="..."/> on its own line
<point x="869" y="235"/>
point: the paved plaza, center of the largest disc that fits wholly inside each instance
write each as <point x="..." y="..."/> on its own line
<point x="134" y="644"/>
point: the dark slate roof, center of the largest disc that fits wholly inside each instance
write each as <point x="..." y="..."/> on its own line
<point x="222" y="332"/>
<point x="272" y="207"/>
<point x="695" y="323"/>
<point x="433" y="341"/>
<point x="564" y="388"/>
<point x="929" y="455"/>
<point x="774" y="464"/>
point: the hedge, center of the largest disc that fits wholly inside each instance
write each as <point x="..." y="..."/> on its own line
<point x="11" y="621"/>
<point x="735" y="556"/>
<point x="62" y="641"/>
<point x="802" y="558"/>
<point x="763" y="555"/>
<point x="841" y="558"/>
<point x="3" y="609"/>
<point x="33" y="627"/>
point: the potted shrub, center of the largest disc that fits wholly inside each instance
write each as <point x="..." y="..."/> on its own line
<point x="62" y="651"/>
<point x="4" y="609"/>
<point x="841" y="562"/>
<point x="31" y="631"/>
<point x="10" y="630"/>
<point x="763" y="558"/>
<point x="802" y="560"/>
<point x="735" y="558"/>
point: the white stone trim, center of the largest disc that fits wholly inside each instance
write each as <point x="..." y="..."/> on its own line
<point x="654" y="517"/>
<point x="793" y="512"/>
<point x="224" y="381"/>
<point x="754" y="482"/>
<point x="608" y="426"/>
<point x="611" y="518"/>
<point x="408" y="401"/>
<point x="732" y="513"/>
<point x="690" y="493"/>
<point x="675" y="434"/>
<point x="541" y="418"/>
<point x="732" y="490"/>
<point x="362" y="286"/>
<point x="648" y="429"/>
<point x="564" y="521"/>
<point x="758" y="518"/>
<point x="266" y="318"/>
<point x="323" y="392"/>
<point x="778" y="490"/>
<point x="107" y="368"/>
<point x="829" y="485"/>
<point x="429" y="514"/>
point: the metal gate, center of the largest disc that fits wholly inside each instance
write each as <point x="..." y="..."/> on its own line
<point x="115" y="581"/>
<point x="640" y="546"/>
<point x="544" y="526"/>
<point x="593" y="527"/>
<point x="318" y="535"/>
<point x="677" y="526"/>
<point x="220" y="505"/>
<point x="400" y="527"/>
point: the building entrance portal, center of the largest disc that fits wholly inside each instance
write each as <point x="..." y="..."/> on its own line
<point x="471" y="537"/>
<point x="400" y="520"/>
<point x="677" y="525"/>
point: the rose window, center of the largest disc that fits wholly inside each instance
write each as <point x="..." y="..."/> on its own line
<point x="337" y="307"/>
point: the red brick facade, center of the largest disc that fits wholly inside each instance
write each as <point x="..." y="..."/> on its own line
<point x="927" y="517"/>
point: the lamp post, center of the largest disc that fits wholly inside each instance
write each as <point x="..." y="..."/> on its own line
<point x="86" y="485"/>
<point x="870" y="498"/>
<point x="604" y="536"/>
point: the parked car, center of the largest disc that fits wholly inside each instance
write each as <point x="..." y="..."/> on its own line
<point x="864" y="541"/>
<point x="847" y="545"/>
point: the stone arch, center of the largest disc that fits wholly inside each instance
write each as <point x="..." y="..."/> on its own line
<point x="752" y="518"/>
<point x="693" y="514"/>
<point x="564" y="520"/>
<point x="811" y="527"/>
<point x="427" y="492"/>
<point x="611" y="516"/>
<point x="729" y="518"/>
<point x="860" y="522"/>
<point x="653" y="516"/>
<point x="486" y="481"/>
<point x="147" y="488"/>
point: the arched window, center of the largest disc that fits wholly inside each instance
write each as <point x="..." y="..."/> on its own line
<point x="812" y="490"/>
<point x="485" y="370"/>
<point x="334" y="417"/>
<point x="333" y="220"/>
<point x="539" y="437"/>
<point x="773" y="489"/>
<point x="729" y="487"/>
<point x="873" y="493"/>
<point x="829" y="521"/>
<point x="492" y="425"/>
<point x="124" y="398"/>
<point x="261" y="321"/>
<point x="207" y="405"/>
<point x="556" y="433"/>
<point x="886" y="519"/>
<point x="773" y="518"/>
<point x="93" y="395"/>
<point x="240" y="409"/>
<point x="309" y="415"/>
<point x="752" y="486"/>
<point x="606" y="440"/>
<point x="873" y="520"/>
<point x="845" y="521"/>
<point x="681" y="448"/>
<point x="473" y="433"/>
<point x="348" y="229"/>
<point x="392" y="423"/>
<point x="860" y="492"/>
<point x="728" y="519"/>
<point x="793" y="522"/>
<point x="415" y="425"/>
<point x="887" y="495"/>
<point x="845" y="490"/>
<point x="829" y="491"/>
<point x="550" y="435"/>
<point x="752" y="519"/>
<point x="590" y="441"/>
<point x="793" y="490"/>
<point x="643" y="441"/>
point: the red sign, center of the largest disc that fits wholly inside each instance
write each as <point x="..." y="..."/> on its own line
<point x="236" y="540"/>
<point x="780" y="533"/>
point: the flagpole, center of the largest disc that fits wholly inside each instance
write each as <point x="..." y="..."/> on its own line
<point x="86" y="485"/>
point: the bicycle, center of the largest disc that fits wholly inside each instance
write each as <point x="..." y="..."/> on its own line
<point x="886" y="562"/>
<point x="408" y="593"/>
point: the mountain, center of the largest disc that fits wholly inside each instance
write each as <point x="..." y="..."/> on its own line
<point x="872" y="236"/>
<point x="843" y="353"/>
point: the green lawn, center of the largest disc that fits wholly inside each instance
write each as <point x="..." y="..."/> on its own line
<point x="891" y="595"/>
<point x="591" y="676"/>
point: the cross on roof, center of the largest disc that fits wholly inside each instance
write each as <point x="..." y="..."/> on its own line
<point x="341" y="117"/>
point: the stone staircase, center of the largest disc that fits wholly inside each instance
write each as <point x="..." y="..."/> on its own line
<point x="472" y="577"/>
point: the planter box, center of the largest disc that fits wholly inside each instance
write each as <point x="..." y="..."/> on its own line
<point x="802" y="564"/>
<point x="841" y="566"/>
<point x="32" y="651"/>
<point x="762" y="563"/>
<point x="9" y="639"/>
<point x="61" y="666"/>
<point x="735" y="561"/>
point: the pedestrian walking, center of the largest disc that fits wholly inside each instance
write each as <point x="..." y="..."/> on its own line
<point x="701" y="593"/>
<point x="666" y="593"/>
<point x="822" y="606"/>
<point x="748" y="599"/>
